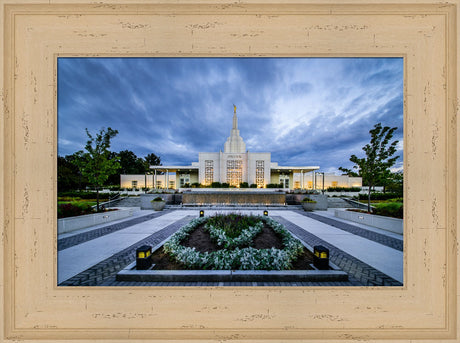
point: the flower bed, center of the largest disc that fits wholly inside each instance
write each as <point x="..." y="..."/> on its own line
<point x="237" y="252"/>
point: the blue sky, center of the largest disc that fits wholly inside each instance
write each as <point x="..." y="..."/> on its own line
<point x="305" y="111"/>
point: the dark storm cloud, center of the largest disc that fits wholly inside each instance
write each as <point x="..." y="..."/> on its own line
<point x="304" y="111"/>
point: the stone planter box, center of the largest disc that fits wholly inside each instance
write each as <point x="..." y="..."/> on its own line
<point x="386" y="223"/>
<point x="158" y="205"/>
<point x="308" y="206"/>
<point x="80" y="222"/>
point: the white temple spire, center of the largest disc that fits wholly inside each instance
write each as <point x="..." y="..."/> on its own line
<point x="235" y="143"/>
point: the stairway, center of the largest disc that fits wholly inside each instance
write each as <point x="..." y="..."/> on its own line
<point x="337" y="203"/>
<point x="128" y="202"/>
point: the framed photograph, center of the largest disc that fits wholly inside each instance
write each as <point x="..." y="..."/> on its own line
<point x="37" y="34"/>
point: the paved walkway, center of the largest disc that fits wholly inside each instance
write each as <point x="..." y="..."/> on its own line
<point x="94" y="256"/>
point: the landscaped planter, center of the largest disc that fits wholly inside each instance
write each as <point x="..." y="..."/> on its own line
<point x="79" y="222"/>
<point x="309" y="205"/>
<point x="158" y="205"/>
<point x="386" y="223"/>
<point x="242" y="254"/>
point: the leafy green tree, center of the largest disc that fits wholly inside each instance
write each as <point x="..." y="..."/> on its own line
<point x="152" y="160"/>
<point x="378" y="160"/>
<point x="68" y="174"/>
<point x="396" y="183"/>
<point x="97" y="163"/>
<point x="130" y="163"/>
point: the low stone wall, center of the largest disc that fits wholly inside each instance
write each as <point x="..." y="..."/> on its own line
<point x="386" y="223"/>
<point x="80" y="222"/>
<point x="238" y="198"/>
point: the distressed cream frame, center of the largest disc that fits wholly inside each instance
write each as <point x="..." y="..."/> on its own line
<point x="35" y="33"/>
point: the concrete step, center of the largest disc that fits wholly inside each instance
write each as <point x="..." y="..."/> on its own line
<point x="128" y="202"/>
<point x="337" y="203"/>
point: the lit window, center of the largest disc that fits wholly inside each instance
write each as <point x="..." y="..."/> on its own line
<point x="234" y="172"/>
<point x="260" y="173"/>
<point x="208" y="172"/>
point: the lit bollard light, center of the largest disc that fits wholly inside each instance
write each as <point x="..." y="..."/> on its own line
<point x="143" y="257"/>
<point x="321" y="257"/>
<point x="201" y="213"/>
<point x="265" y="213"/>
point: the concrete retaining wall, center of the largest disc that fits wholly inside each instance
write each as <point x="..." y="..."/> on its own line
<point x="81" y="222"/>
<point x="241" y="197"/>
<point x="321" y="201"/>
<point x="386" y="223"/>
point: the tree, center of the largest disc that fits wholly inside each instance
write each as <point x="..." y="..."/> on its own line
<point x="130" y="163"/>
<point x="97" y="163"/>
<point x="378" y="161"/>
<point x="68" y="174"/>
<point x="396" y="183"/>
<point x="152" y="160"/>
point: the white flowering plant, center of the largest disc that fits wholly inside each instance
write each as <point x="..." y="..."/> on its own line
<point x="237" y="253"/>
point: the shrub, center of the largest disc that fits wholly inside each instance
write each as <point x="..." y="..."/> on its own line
<point x="344" y="189"/>
<point x="85" y="195"/>
<point x="389" y="209"/>
<point x="380" y="196"/>
<point x="253" y="185"/>
<point x="274" y="185"/>
<point x="232" y="224"/>
<point x="157" y="199"/>
<point x="307" y="199"/>
<point x="225" y="185"/>
<point x="74" y="209"/>
<point x="216" y="185"/>
<point x="244" y="185"/>
<point x="246" y="258"/>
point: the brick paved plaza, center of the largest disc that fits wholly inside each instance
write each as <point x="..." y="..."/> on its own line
<point x="93" y="256"/>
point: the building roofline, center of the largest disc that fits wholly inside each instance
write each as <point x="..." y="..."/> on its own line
<point x="173" y="167"/>
<point x="310" y="168"/>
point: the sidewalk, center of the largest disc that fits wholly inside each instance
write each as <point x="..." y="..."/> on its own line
<point x="78" y="258"/>
<point x="359" y="252"/>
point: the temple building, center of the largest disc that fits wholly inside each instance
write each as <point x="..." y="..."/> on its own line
<point x="234" y="165"/>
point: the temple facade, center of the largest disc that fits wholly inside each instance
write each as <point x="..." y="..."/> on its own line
<point x="234" y="165"/>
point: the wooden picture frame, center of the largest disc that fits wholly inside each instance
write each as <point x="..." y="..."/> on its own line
<point x="35" y="33"/>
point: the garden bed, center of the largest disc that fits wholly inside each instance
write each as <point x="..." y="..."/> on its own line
<point x="201" y="240"/>
<point x="262" y="251"/>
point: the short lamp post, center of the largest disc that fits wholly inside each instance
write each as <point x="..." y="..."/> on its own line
<point x="321" y="257"/>
<point x="143" y="257"/>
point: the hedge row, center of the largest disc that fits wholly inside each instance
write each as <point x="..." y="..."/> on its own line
<point x="344" y="189"/>
<point x="380" y="196"/>
<point x="84" y="195"/>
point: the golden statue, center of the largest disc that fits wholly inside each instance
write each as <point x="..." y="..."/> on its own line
<point x="234" y="109"/>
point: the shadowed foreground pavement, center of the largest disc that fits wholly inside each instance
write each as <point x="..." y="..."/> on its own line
<point x="92" y="257"/>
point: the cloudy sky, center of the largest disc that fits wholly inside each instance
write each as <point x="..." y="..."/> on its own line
<point x="305" y="111"/>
